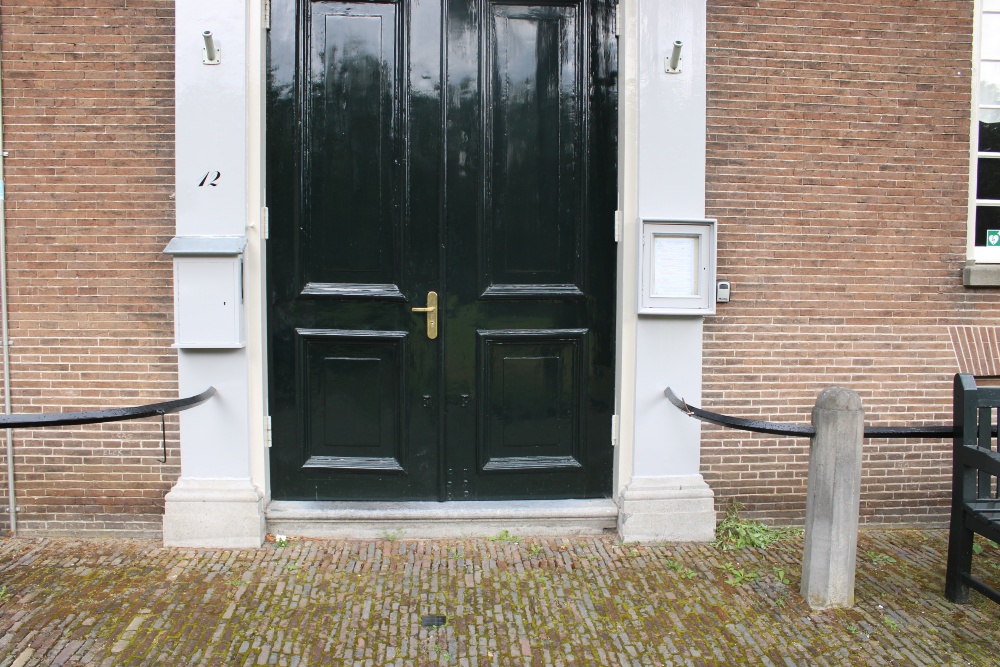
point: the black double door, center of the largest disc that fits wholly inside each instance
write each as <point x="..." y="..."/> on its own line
<point x="461" y="154"/>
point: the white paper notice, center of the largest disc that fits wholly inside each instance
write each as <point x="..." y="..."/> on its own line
<point x="675" y="265"/>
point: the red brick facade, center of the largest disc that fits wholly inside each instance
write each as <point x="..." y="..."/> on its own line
<point x="88" y="121"/>
<point x="838" y="166"/>
<point x="838" y="162"/>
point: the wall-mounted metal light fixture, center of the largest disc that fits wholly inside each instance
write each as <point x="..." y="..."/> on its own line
<point x="213" y="51"/>
<point x="672" y="64"/>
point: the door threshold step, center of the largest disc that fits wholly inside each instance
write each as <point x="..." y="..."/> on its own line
<point x="432" y="520"/>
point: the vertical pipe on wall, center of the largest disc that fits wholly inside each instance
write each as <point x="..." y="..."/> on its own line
<point x="5" y="340"/>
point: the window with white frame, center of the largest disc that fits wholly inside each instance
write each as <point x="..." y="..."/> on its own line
<point x="986" y="137"/>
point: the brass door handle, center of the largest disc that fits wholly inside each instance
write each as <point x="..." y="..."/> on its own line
<point x="432" y="314"/>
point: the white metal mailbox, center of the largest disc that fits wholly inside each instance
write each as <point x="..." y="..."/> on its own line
<point x="677" y="267"/>
<point x="208" y="291"/>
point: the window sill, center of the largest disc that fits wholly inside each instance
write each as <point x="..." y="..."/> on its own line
<point x="981" y="275"/>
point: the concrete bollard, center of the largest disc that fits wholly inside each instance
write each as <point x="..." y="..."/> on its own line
<point x="833" y="500"/>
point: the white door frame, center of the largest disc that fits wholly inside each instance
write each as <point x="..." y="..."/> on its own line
<point x="224" y="488"/>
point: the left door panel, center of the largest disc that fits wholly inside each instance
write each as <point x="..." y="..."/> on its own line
<point x="354" y="377"/>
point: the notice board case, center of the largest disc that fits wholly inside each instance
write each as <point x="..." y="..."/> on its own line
<point x="677" y="267"/>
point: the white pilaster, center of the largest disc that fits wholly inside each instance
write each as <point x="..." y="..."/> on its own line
<point x="218" y="501"/>
<point x="667" y="508"/>
<point x="662" y="495"/>
<point x="214" y="513"/>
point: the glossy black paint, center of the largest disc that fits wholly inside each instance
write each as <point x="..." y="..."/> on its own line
<point x="466" y="148"/>
<point x="975" y="471"/>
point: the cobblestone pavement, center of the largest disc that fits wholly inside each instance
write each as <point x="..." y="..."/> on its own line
<point x="507" y="601"/>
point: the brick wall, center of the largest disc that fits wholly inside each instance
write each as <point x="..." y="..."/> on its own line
<point x="837" y="167"/>
<point x="838" y="162"/>
<point x="88" y="117"/>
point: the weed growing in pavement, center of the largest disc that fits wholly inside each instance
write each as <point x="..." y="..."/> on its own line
<point x="280" y="541"/>
<point x="735" y="532"/>
<point x="891" y="622"/>
<point x="682" y="572"/>
<point x="978" y="548"/>
<point x="391" y="535"/>
<point x="534" y="549"/>
<point x="629" y="547"/>
<point x="880" y="559"/>
<point x="779" y="573"/>
<point x="505" y="536"/>
<point x="853" y="628"/>
<point x="4" y="594"/>
<point x="738" y="575"/>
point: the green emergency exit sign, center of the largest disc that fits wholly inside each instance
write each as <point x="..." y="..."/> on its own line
<point x="993" y="238"/>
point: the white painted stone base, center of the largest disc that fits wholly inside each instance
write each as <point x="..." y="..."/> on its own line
<point x="429" y="520"/>
<point x="214" y="513"/>
<point x="667" y="509"/>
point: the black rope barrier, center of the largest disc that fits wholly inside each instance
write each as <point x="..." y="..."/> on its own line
<point x="805" y="430"/>
<point x="34" y="420"/>
<point x="43" y="419"/>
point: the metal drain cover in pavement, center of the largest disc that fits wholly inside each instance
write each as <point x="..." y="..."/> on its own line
<point x="433" y="621"/>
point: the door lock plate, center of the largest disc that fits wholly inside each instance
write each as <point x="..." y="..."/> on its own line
<point x="432" y="314"/>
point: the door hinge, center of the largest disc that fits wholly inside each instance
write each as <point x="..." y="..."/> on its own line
<point x="267" y="431"/>
<point x="267" y="15"/>
<point x="614" y="430"/>
<point x="618" y="226"/>
<point x="265" y="220"/>
<point x="618" y="24"/>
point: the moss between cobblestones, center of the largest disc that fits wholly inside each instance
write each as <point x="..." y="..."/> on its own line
<point x="534" y="601"/>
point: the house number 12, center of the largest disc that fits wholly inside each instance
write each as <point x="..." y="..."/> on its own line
<point x="211" y="179"/>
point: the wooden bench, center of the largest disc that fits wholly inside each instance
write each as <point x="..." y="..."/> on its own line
<point x="975" y="496"/>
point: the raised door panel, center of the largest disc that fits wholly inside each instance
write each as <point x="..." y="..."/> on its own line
<point x="534" y="150"/>
<point x="350" y="237"/>
<point x="531" y="388"/>
<point x="352" y="396"/>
